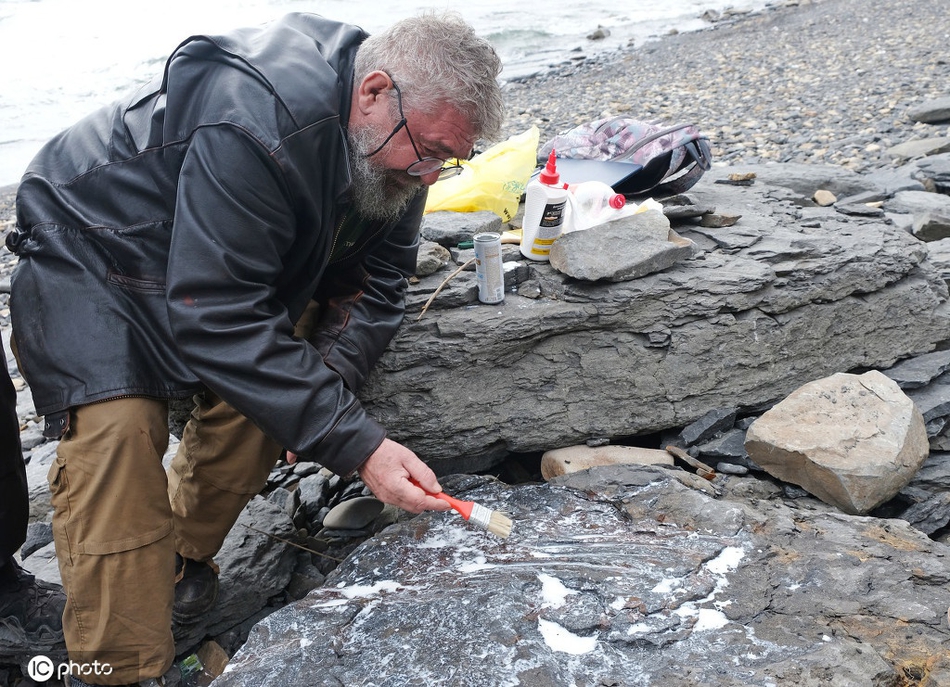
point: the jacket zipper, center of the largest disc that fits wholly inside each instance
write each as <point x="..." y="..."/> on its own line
<point x="357" y="246"/>
<point x="336" y="237"/>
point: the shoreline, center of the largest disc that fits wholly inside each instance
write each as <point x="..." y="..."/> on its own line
<point x="42" y="98"/>
<point x="815" y="81"/>
<point x="807" y="81"/>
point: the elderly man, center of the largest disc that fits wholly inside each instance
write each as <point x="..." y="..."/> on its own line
<point x="169" y="244"/>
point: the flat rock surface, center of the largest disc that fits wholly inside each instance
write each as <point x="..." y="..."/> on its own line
<point x="626" y="577"/>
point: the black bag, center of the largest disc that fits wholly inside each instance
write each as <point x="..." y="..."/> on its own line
<point x="671" y="158"/>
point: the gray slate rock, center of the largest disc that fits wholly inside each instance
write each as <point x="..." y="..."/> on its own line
<point x="451" y="228"/>
<point x="931" y="226"/>
<point x="726" y="448"/>
<point x="928" y="213"/>
<point x="769" y="306"/>
<point x="314" y="490"/>
<point x="287" y="501"/>
<point x="303" y="468"/>
<point x="935" y="171"/>
<point x="919" y="371"/>
<point x="891" y="180"/>
<point x="860" y="209"/>
<point x="708" y="426"/>
<point x="864" y="198"/>
<point x="921" y="147"/>
<point x="619" y="576"/>
<point x="43" y="564"/>
<point x="431" y="258"/>
<point x="41" y="459"/>
<point x="918" y="203"/>
<point x="621" y="250"/>
<point x="931" y="111"/>
<point x="933" y="400"/>
<point x="38" y="535"/>
<point x="939" y="257"/>
<point x="925" y="501"/>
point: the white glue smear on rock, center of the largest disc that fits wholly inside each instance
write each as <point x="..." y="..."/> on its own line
<point x="553" y="595"/>
<point x="363" y="591"/>
<point x="561" y="639"/>
<point x="465" y="546"/>
<point x="713" y="618"/>
<point x="553" y="591"/>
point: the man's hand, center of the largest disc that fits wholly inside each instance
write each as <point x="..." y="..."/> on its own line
<point x="387" y="473"/>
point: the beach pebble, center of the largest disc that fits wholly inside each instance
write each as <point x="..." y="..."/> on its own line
<point x="824" y="198"/>
<point x="353" y="514"/>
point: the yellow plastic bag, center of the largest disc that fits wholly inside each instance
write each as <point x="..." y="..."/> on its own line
<point x="493" y="180"/>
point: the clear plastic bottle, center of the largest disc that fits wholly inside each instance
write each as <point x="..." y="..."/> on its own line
<point x="593" y="202"/>
<point x="544" y="210"/>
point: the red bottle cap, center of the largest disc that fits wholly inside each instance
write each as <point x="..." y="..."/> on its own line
<point x="617" y="201"/>
<point x="549" y="174"/>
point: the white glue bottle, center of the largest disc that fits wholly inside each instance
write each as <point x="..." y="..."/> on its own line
<point x="544" y="209"/>
<point x="593" y="202"/>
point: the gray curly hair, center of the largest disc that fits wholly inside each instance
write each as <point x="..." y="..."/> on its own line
<point x="437" y="60"/>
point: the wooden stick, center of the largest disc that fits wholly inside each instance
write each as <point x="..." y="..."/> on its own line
<point x="442" y="286"/>
<point x="292" y="543"/>
<point x="702" y="469"/>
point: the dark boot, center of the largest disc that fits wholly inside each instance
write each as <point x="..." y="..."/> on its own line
<point x="196" y="588"/>
<point x="31" y="615"/>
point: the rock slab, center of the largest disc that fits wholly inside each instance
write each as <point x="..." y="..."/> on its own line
<point x="790" y="293"/>
<point x="629" y="579"/>
<point x="621" y="250"/>
<point x="561" y="461"/>
<point x="854" y="441"/>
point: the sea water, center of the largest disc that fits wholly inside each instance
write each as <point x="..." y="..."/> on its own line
<point x="61" y="59"/>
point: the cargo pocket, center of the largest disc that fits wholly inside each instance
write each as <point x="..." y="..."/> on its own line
<point x="59" y="498"/>
<point x="85" y="523"/>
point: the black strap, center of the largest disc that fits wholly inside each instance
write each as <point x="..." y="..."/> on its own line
<point x="701" y="161"/>
<point x="14" y="239"/>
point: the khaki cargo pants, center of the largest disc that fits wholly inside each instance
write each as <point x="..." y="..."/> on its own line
<point x="118" y="520"/>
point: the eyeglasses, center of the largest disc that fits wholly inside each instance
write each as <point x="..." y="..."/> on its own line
<point x="424" y="165"/>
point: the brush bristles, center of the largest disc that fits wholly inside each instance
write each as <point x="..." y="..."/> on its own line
<point x="499" y="524"/>
<point x="494" y="521"/>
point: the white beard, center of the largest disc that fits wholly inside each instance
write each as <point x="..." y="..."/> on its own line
<point x="378" y="193"/>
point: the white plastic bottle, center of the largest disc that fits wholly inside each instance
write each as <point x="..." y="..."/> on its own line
<point x="593" y="202"/>
<point x="544" y="212"/>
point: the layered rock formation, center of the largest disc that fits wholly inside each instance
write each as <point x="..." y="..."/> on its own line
<point x="621" y="576"/>
<point x="789" y="293"/>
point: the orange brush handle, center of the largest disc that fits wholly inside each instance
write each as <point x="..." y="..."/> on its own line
<point x="463" y="508"/>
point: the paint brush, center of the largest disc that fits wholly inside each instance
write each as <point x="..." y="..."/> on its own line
<point x="494" y="521"/>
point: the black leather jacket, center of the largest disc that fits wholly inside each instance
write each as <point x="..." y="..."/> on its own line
<point x="168" y="243"/>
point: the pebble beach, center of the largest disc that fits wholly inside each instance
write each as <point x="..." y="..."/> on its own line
<point x="809" y="81"/>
